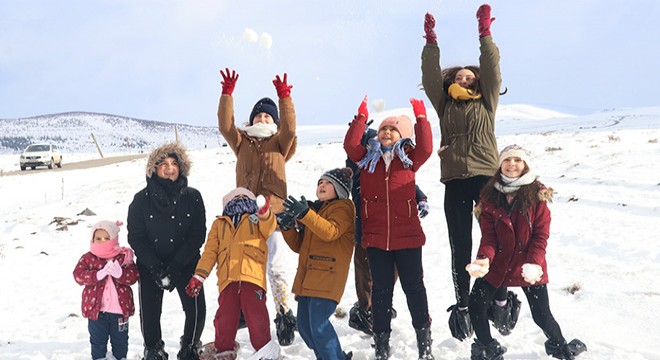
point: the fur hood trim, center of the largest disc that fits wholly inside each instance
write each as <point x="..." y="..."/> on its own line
<point x="160" y="153"/>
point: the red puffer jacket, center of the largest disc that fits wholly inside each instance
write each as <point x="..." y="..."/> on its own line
<point x="85" y="274"/>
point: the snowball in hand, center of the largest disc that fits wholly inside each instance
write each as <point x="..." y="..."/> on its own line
<point x="531" y="271"/>
<point x="261" y="201"/>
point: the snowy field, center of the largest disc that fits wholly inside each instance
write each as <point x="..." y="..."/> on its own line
<point x="604" y="242"/>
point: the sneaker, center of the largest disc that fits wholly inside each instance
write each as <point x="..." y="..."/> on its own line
<point x="459" y="323"/>
<point x="285" y="325"/>
<point x="360" y="320"/>
<point x="566" y="350"/>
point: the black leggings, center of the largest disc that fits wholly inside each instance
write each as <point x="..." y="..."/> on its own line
<point x="460" y="197"/>
<point x="383" y="264"/>
<point x="483" y="294"/>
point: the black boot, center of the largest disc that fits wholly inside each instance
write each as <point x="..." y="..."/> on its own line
<point x="382" y="345"/>
<point x="505" y="318"/>
<point x="156" y="352"/>
<point x="360" y="320"/>
<point x="285" y="325"/>
<point x="566" y="350"/>
<point x="459" y="323"/>
<point x="348" y="355"/>
<point x="492" y="351"/>
<point x="188" y="350"/>
<point x="424" y="342"/>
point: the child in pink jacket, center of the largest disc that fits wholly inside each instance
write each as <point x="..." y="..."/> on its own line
<point x="107" y="271"/>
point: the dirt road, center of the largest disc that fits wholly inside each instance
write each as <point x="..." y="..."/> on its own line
<point x="81" y="164"/>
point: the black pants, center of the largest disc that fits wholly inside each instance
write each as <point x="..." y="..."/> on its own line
<point x="483" y="294"/>
<point x="408" y="262"/>
<point x="151" y="306"/>
<point x="460" y="197"/>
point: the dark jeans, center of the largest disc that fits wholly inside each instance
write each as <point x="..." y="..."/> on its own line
<point x="315" y="327"/>
<point x="151" y="307"/>
<point x="483" y="294"/>
<point x="460" y="197"/>
<point x="383" y="265"/>
<point x="114" y="326"/>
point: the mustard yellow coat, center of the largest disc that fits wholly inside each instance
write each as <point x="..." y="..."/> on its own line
<point x="240" y="253"/>
<point x="325" y="249"/>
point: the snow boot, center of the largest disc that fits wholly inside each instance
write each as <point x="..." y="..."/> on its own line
<point x="459" y="323"/>
<point x="565" y="350"/>
<point x="188" y="350"/>
<point x="360" y="320"/>
<point x="505" y="318"/>
<point x="156" y="353"/>
<point x="382" y="345"/>
<point x="348" y="355"/>
<point x="492" y="351"/>
<point x="424" y="342"/>
<point x="285" y="325"/>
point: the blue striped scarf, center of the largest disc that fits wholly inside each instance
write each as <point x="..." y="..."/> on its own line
<point x="375" y="152"/>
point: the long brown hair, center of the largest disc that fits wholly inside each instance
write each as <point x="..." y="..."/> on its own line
<point x="525" y="198"/>
<point x="449" y="74"/>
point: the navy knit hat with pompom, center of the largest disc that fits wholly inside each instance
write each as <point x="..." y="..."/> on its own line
<point x="268" y="106"/>
<point x="341" y="180"/>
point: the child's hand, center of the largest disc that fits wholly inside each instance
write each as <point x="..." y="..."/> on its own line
<point x="194" y="286"/>
<point x="418" y="108"/>
<point x="296" y="208"/>
<point x="363" y="110"/>
<point x="114" y="269"/>
<point x="285" y="221"/>
<point x="228" y="81"/>
<point x="532" y="273"/>
<point x="478" y="268"/>
<point x="423" y="208"/>
<point x="283" y="89"/>
<point x="264" y="205"/>
<point x="429" y="25"/>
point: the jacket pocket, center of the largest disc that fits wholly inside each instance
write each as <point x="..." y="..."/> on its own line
<point x="254" y="262"/>
<point x="320" y="273"/>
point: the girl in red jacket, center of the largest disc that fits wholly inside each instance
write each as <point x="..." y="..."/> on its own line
<point x="515" y="225"/>
<point x="391" y="231"/>
<point x="107" y="271"/>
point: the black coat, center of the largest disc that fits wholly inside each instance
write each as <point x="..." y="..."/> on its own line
<point x="167" y="229"/>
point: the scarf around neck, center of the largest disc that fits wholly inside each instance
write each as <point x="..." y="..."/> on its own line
<point x="239" y="206"/>
<point x="261" y="130"/>
<point x="375" y="151"/>
<point x="458" y="92"/>
<point x="512" y="185"/>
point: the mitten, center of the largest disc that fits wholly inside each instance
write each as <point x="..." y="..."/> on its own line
<point x="101" y="274"/>
<point x="296" y="208"/>
<point x="164" y="281"/>
<point x="418" y="108"/>
<point x="478" y="268"/>
<point x="264" y="205"/>
<point x="228" y="81"/>
<point x="285" y="220"/>
<point x="484" y="19"/>
<point x="429" y="25"/>
<point x="423" y="208"/>
<point x="532" y="273"/>
<point x="194" y="285"/>
<point x="363" y="111"/>
<point x="114" y="269"/>
<point x="283" y="89"/>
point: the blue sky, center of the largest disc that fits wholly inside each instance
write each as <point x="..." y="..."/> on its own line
<point x="160" y="60"/>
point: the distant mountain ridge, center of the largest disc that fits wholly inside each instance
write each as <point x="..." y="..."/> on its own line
<point x="72" y="132"/>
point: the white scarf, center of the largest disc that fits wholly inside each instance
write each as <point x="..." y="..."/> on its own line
<point x="513" y="184"/>
<point x="261" y="130"/>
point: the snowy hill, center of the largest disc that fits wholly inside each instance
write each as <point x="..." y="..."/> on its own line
<point x="603" y="242"/>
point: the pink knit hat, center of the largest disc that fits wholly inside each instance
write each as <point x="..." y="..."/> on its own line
<point x="111" y="227"/>
<point x="236" y="192"/>
<point x="401" y="123"/>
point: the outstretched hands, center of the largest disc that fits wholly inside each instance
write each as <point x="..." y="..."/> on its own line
<point x="228" y="81"/>
<point x="283" y="89"/>
<point x="363" y="110"/>
<point x="484" y="20"/>
<point x="418" y="108"/>
<point x="429" y="25"/>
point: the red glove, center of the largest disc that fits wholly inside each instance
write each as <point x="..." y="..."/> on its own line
<point x="418" y="108"/>
<point x="194" y="286"/>
<point x="429" y="25"/>
<point x="484" y="19"/>
<point x="283" y="89"/>
<point x="264" y="205"/>
<point x="363" y="110"/>
<point x="228" y="81"/>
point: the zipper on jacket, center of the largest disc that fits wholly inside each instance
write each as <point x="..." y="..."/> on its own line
<point x="387" y="203"/>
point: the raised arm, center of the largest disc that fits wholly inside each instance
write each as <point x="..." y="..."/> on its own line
<point x="226" y="110"/>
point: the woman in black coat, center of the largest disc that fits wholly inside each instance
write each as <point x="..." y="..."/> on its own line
<point x="166" y="229"/>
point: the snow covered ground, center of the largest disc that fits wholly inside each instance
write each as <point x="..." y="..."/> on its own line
<point x="604" y="241"/>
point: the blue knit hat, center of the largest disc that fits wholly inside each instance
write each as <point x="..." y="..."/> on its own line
<point x="268" y="106"/>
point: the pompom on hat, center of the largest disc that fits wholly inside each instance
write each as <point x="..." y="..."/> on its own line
<point x="515" y="151"/>
<point x="237" y="192"/>
<point x="268" y="106"/>
<point x="401" y="123"/>
<point x="341" y="179"/>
